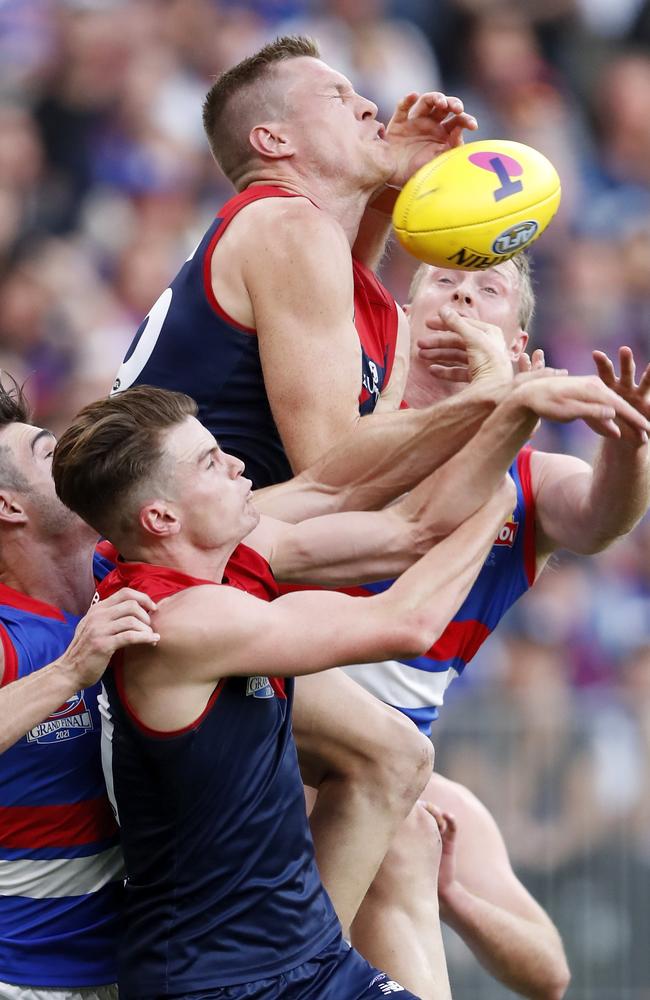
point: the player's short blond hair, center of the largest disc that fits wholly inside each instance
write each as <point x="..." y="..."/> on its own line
<point x="526" y="290"/>
<point x="243" y="96"/>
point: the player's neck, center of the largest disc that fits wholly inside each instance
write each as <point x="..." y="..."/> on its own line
<point x="58" y="574"/>
<point x="341" y="200"/>
<point x="176" y="553"/>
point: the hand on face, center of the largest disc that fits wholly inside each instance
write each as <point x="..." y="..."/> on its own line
<point x="638" y="396"/>
<point x="422" y="127"/>
<point x="463" y="349"/>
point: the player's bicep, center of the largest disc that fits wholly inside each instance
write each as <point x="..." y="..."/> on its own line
<point x="561" y="485"/>
<point x="303" y="300"/>
<point x="225" y="632"/>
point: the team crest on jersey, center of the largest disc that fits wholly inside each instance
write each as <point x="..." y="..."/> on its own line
<point x="259" y="687"/>
<point x="72" y="719"/>
<point x="507" y="534"/>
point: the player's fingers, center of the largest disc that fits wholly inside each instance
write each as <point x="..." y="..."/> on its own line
<point x="129" y="608"/>
<point x="450" y="374"/>
<point x="524" y="363"/>
<point x="440" y="336"/>
<point x="627" y="366"/>
<point x="644" y="381"/>
<point x="128" y="593"/>
<point x="452" y="826"/>
<point x="128" y="623"/>
<point x="136" y="637"/>
<point x="403" y="107"/>
<point x="444" y="355"/>
<point x="604" y="367"/>
<point x="437" y="815"/>
<point x="432" y="104"/>
<point x="538" y="360"/>
<point x="457" y="123"/>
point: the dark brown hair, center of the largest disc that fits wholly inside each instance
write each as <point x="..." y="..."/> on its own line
<point x="112" y="447"/>
<point x="226" y="123"/>
<point x="14" y="409"/>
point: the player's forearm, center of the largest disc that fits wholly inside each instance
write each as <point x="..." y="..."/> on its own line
<point x="464" y="483"/>
<point x="27" y="702"/>
<point x="619" y="494"/>
<point x="383" y="456"/>
<point x="429" y="593"/>
<point x="374" y="229"/>
<point x="527" y="956"/>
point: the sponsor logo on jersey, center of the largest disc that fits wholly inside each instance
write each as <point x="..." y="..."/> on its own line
<point x="507" y="534"/>
<point x="72" y="719"/>
<point x="259" y="687"/>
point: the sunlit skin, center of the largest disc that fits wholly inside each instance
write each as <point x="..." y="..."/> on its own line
<point x="333" y="131"/>
<point x="203" y="510"/>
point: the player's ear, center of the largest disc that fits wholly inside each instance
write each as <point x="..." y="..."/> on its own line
<point x="157" y="518"/>
<point x="518" y="345"/>
<point x="406" y="308"/>
<point x="11" y="508"/>
<point x="271" y="140"/>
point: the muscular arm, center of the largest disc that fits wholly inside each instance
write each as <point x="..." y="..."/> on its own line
<point x="309" y="348"/>
<point x="585" y="509"/>
<point x="221" y="631"/>
<point x="486" y="904"/>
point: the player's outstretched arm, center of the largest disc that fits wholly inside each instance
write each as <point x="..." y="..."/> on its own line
<point x="225" y="632"/>
<point x="119" y="621"/>
<point x="482" y="899"/>
<point x="585" y="509"/>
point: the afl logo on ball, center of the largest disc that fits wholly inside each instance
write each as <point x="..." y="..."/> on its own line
<point x="515" y="238"/>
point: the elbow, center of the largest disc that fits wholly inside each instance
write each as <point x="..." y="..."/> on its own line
<point x="415" y="635"/>
<point x="556" y="980"/>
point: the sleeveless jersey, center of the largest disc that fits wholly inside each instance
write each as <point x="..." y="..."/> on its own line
<point x="222" y="886"/>
<point x="189" y="344"/>
<point x="61" y="867"/>
<point x="417" y="687"/>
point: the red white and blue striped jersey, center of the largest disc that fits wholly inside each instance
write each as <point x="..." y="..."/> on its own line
<point x="417" y="687"/>
<point x="60" y="862"/>
<point x="222" y="886"/>
<point x="188" y="343"/>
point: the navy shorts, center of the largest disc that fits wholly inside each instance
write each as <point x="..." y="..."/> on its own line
<point x="337" y="973"/>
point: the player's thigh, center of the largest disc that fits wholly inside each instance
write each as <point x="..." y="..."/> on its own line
<point x="341" y="728"/>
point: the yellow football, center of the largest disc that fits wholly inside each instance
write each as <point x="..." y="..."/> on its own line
<point x="477" y="205"/>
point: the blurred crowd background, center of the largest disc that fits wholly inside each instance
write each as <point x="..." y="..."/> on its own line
<point x="106" y="185"/>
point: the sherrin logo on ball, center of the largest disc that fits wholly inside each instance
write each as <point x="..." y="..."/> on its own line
<point x="477" y="205"/>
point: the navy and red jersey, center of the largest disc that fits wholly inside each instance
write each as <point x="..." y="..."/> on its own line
<point x="190" y="344"/>
<point x="417" y="687"/>
<point x="61" y="873"/>
<point x="222" y="887"/>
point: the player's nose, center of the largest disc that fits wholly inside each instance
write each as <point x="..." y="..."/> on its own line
<point x="236" y="466"/>
<point x="367" y="108"/>
<point x="462" y="296"/>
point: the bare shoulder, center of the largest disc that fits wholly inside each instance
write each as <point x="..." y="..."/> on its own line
<point x="187" y="617"/>
<point x="456" y="798"/>
<point x="289" y="223"/>
<point x="548" y="468"/>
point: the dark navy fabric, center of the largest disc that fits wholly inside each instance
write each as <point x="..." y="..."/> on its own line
<point x="222" y="885"/>
<point x="189" y="344"/>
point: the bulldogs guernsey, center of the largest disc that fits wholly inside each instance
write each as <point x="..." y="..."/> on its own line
<point x="189" y="344"/>
<point x="61" y="873"/>
<point x="417" y="687"/>
<point x="222" y="886"/>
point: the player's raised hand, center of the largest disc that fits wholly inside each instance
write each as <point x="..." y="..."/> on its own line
<point x="637" y="395"/>
<point x="422" y="127"/>
<point x="534" y="362"/>
<point x="579" y="398"/>
<point x="464" y="349"/>
<point x="123" y="619"/>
